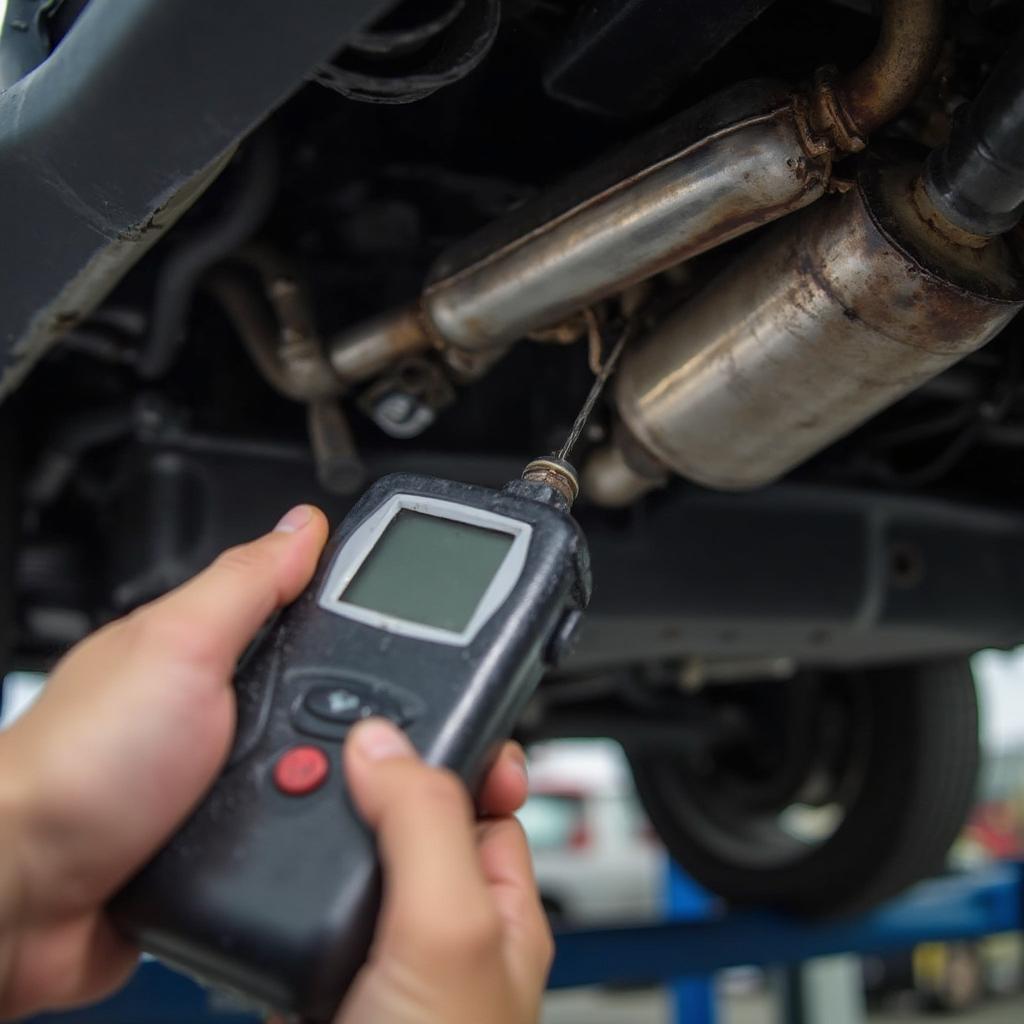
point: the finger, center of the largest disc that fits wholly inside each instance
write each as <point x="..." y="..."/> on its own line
<point x="208" y="621"/>
<point x="505" y="788"/>
<point x="67" y="964"/>
<point x="426" y="838"/>
<point x="508" y="869"/>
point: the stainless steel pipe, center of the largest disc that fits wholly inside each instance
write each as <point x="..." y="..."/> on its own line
<point x="369" y="348"/>
<point x="835" y="315"/>
<point x="737" y="161"/>
<point x="729" y="165"/>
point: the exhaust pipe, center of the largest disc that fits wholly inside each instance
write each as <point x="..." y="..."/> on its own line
<point x="740" y="160"/>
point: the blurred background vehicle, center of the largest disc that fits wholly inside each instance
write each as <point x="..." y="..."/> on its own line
<point x="596" y="856"/>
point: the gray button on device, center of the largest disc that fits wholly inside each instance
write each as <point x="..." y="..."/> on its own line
<point x="330" y="709"/>
<point x="340" y="704"/>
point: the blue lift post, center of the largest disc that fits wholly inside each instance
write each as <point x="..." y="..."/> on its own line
<point x="984" y="902"/>
<point x="693" y="999"/>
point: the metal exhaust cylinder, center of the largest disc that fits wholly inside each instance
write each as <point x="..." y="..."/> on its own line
<point x="743" y="158"/>
<point x="730" y="164"/>
<point x="836" y="314"/>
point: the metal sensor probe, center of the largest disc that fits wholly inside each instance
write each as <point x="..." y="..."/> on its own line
<point x="555" y="470"/>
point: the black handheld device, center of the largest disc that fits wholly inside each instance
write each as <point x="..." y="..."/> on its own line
<point x="437" y="605"/>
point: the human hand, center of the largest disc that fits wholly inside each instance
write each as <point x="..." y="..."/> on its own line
<point x="131" y="730"/>
<point x="462" y="936"/>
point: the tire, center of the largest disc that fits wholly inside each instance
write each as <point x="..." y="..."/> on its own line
<point x="909" y="764"/>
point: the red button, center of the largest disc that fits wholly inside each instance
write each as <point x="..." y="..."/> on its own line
<point x="301" y="770"/>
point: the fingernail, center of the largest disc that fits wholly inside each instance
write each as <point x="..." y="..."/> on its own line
<point x="378" y="740"/>
<point x="294" y="520"/>
<point x="519" y="757"/>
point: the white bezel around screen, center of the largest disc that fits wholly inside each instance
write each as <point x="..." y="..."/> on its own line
<point x="354" y="551"/>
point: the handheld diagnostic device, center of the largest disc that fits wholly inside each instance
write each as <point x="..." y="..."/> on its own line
<point x="437" y="605"/>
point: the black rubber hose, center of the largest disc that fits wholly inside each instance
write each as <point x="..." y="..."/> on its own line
<point x="179" y="277"/>
<point x="976" y="180"/>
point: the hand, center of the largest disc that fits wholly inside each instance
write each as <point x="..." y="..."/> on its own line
<point x="462" y="936"/>
<point x="131" y="730"/>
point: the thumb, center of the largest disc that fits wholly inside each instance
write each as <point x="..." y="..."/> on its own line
<point x="426" y="836"/>
<point x="210" y="619"/>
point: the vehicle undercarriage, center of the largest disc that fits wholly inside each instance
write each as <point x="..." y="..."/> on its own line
<point x="253" y="257"/>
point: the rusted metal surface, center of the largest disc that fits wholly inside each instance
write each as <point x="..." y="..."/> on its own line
<point x="830" y="125"/>
<point x="986" y="265"/>
<point x="374" y="345"/>
<point x="555" y="473"/>
<point x="276" y="326"/>
<point x="937" y="221"/>
<point x="751" y="168"/>
<point x="906" y="52"/>
<point x="835" y="315"/>
<point x="740" y="160"/>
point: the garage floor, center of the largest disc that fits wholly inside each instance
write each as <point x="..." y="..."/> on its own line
<point x="651" y="1007"/>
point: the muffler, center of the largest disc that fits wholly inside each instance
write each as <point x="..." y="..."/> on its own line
<point x="835" y="315"/>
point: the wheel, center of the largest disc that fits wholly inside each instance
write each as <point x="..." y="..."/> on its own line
<point x="844" y="789"/>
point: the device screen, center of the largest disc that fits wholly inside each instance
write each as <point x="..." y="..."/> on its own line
<point x="429" y="570"/>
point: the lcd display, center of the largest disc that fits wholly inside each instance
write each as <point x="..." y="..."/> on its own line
<point x="428" y="570"/>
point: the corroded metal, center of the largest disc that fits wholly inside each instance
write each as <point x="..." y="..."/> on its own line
<point x="370" y="347"/>
<point x="828" y="120"/>
<point x="937" y="220"/>
<point x="275" y="324"/>
<point x="731" y="165"/>
<point x="900" y="64"/>
<point x="748" y="156"/>
<point x="555" y="473"/>
<point x="836" y="314"/>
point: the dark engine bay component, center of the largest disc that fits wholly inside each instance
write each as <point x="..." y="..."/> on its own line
<point x="626" y="57"/>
